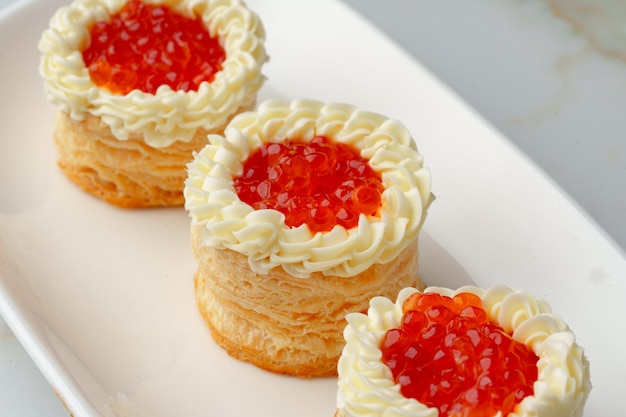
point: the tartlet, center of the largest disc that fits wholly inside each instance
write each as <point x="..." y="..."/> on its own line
<point x="557" y="378"/>
<point x="275" y="294"/>
<point x="130" y="148"/>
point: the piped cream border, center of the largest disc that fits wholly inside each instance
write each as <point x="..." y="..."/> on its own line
<point x="262" y="235"/>
<point x="168" y="115"/>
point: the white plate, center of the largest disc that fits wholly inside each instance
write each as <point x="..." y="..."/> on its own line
<point x="102" y="300"/>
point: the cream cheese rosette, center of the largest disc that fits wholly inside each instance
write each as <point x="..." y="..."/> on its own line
<point x="366" y="386"/>
<point x="277" y="295"/>
<point x="131" y="149"/>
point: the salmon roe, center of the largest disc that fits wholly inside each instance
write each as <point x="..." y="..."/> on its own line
<point x="320" y="183"/>
<point x="144" y="46"/>
<point x="448" y="355"/>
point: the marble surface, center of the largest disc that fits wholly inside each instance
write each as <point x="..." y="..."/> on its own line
<point x="550" y="74"/>
<point x="24" y="392"/>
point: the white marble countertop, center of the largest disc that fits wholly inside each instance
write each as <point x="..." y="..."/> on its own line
<point x="550" y="74"/>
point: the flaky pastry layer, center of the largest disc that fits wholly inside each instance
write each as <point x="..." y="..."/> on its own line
<point x="282" y="323"/>
<point x="127" y="173"/>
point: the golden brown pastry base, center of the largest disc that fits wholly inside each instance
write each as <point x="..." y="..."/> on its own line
<point x="285" y="324"/>
<point x="125" y="173"/>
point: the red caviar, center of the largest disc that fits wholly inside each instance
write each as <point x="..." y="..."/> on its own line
<point x="320" y="183"/>
<point x="447" y="354"/>
<point x="144" y="46"/>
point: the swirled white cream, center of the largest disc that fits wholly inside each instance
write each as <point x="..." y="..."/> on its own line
<point x="263" y="236"/>
<point x="366" y="386"/>
<point x="168" y="115"/>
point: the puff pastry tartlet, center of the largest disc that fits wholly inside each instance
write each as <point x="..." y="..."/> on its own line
<point x="137" y="92"/>
<point x="469" y="352"/>
<point x="274" y="289"/>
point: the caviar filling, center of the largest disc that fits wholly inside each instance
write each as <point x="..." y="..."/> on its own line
<point x="320" y="183"/>
<point x="448" y="355"/>
<point x="144" y="46"/>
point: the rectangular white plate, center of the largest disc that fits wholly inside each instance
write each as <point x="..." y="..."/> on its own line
<point x="102" y="298"/>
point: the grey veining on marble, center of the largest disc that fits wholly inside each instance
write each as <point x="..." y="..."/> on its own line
<point x="602" y="23"/>
<point x="549" y="74"/>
